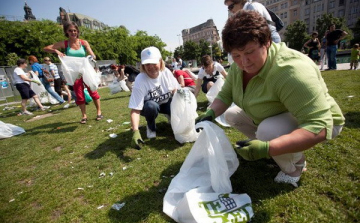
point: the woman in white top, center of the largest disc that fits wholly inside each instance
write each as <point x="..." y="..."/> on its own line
<point x="208" y="74"/>
<point x="152" y="93"/>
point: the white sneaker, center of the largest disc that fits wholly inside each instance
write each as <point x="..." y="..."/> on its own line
<point x="150" y="134"/>
<point x="26" y="113"/>
<point x="44" y="108"/>
<point x="67" y="105"/>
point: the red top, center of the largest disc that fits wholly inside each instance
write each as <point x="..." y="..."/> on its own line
<point x="187" y="79"/>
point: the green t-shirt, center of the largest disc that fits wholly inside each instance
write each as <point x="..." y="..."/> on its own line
<point x="288" y="82"/>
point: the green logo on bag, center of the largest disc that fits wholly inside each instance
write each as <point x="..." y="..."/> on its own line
<point x="226" y="208"/>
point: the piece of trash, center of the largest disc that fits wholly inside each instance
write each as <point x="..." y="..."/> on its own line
<point x="109" y="120"/>
<point x="80" y="188"/>
<point x="111" y="174"/>
<point x="118" y="206"/>
<point x="90" y="126"/>
<point x="172" y="176"/>
<point x="164" y="176"/>
<point x="101" y="206"/>
<point x="90" y="186"/>
<point x="20" y="192"/>
<point x="11" y="200"/>
<point x="109" y="129"/>
<point x="112" y="135"/>
<point x="138" y="158"/>
<point x="124" y="168"/>
<point x="350" y="96"/>
<point x="102" y="174"/>
<point x="126" y="123"/>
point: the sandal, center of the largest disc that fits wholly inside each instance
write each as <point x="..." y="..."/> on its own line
<point x="99" y="117"/>
<point x="282" y="177"/>
<point x="83" y="121"/>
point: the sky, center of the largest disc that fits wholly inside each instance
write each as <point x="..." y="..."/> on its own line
<point x="164" y="18"/>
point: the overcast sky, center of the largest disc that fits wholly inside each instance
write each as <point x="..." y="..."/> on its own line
<point x="163" y="18"/>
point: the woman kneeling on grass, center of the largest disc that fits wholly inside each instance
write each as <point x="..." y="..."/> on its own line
<point x="152" y="93"/>
<point x="283" y="105"/>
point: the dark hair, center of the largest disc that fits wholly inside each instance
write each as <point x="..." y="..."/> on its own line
<point x="206" y="60"/>
<point x="168" y="66"/>
<point x="332" y="24"/>
<point x="244" y="27"/>
<point x="66" y="27"/>
<point x="33" y="59"/>
<point x="20" y="61"/>
<point x="315" y="33"/>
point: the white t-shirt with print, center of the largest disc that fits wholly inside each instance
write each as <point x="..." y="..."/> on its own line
<point x="217" y="67"/>
<point x="158" y="89"/>
<point x="17" y="79"/>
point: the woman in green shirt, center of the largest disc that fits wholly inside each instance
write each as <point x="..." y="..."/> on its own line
<point x="282" y="102"/>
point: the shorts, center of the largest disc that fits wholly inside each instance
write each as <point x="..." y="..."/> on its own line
<point x="25" y="91"/>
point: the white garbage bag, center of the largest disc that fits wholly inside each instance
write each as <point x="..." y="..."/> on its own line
<point x="183" y="114"/>
<point x="200" y="192"/>
<point x="74" y="67"/>
<point x="41" y="92"/>
<point x="114" y="87"/>
<point x="211" y="95"/>
<point x="9" y="130"/>
<point x="123" y="85"/>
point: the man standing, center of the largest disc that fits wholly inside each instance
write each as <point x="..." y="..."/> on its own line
<point x="333" y="38"/>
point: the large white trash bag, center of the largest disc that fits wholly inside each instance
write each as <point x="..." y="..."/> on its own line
<point x="9" y="130"/>
<point x="41" y="92"/>
<point x="203" y="183"/>
<point x="123" y="85"/>
<point x="211" y="95"/>
<point x="183" y="114"/>
<point x="114" y="87"/>
<point x="73" y="67"/>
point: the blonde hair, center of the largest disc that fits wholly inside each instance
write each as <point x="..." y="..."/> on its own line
<point x="162" y="66"/>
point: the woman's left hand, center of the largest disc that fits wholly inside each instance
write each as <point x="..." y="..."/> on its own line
<point x="253" y="149"/>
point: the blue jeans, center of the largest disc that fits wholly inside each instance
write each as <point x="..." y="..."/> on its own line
<point x="152" y="109"/>
<point x="331" y="54"/>
<point x="51" y="91"/>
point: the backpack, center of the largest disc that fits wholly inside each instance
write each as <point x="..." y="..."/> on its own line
<point x="66" y="42"/>
<point x="279" y="24"/>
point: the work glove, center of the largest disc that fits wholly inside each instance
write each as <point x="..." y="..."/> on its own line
<point x="253" y="149"/>
<point x="36" y="82"/>
<point x="209" y="115"/>
<point x="136" y="139"/>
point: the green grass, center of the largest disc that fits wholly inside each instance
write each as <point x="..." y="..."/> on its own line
<point x="43" y="168"/>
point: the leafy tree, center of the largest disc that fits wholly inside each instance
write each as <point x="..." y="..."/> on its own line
<point x="179" y="51"/>
<point x="191" y="50"/>
<point x="323" y="23"/>
<point x="296" y="35"/>
<point x="11" y="59"/>
<point x="356" y="31"/>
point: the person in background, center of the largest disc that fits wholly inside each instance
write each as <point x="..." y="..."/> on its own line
<point x="152" y="93"/>
<point x="53" y="70"/>
<point x="313" y="44"/>
<point x="76" y="47"/>
<point x="323" y="51"/>
<point x="38" y="70"/>
<point x="180" y="63"/>
<point x="354" y="58"/>
<point x="282" y="102"/>
<point x="22" y="84"/>
<point x="208" y="74"/>
<point x="174" y="64"/>
<point x="183" y="78"/>
<point x="332" y="40"/>
<point x="236" y="5"/>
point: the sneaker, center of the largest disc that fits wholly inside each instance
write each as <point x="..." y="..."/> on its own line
<point x="150" y="134"/>
<point x="45" y="108"/>
<point x="25" y="113"/>
<point x="67" y="105"/>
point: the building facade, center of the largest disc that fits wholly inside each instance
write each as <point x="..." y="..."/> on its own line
<point x="79" y="19"/>
<point x="206" y="31"/>
<point x="310" y="10"/>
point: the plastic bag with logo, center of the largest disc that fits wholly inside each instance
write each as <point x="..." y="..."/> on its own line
<point x="183" y="113"/>
<point x="201" y="191"/>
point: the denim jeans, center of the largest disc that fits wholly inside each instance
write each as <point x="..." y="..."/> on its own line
<point x="51" y="91"/>
<point x="331" y="54"/>
<point x="152" y="109"/>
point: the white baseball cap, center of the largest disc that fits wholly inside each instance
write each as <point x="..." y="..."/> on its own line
<point x="150" y="55"/>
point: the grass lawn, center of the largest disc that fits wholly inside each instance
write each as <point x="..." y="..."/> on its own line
<point x="52" y="173"/>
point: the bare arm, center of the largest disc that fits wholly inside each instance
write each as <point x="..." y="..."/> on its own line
<point x="89" y="50"/>
<point x="135" y="119"/>
<point x="181" y="81"/>
<point x="54" y="48"/>
<point x="306" y="44"/>
<point x="296" y="141"/>
<point x="25" y="78"/>
<point x="198" y="86"/>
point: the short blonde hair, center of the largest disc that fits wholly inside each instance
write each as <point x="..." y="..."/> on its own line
<point x="162" y="66"/>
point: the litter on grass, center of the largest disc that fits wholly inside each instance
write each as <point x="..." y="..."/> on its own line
<point x="101" y="206"/>
<point x="118" y="206"/>
<point x="126" y="123"/>
<point x="109" y="120"/>
<point x="102" y="174"/>
<point x="112" y="135"/>
<point x="11" y="200"/>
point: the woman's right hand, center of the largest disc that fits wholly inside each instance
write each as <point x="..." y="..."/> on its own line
<point x="59" y="53"/>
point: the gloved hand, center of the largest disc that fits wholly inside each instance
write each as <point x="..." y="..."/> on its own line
<point x="36" y="82"/>
<point x="253" y="149"/>
<point x="209" y="115"/>
<point x="136" y="139"/>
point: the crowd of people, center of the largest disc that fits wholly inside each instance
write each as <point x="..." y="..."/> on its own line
<point x="272" y="94"/>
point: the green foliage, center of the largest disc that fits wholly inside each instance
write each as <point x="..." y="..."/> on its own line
<point x="356" y="31"/>
<point x="323" y="23"/>
<point x="11" y="59"/>
<point x="296" y="35"/>
<point x="29" y="38"/>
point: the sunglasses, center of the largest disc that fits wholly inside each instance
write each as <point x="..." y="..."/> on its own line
<point x="230" y="7"/>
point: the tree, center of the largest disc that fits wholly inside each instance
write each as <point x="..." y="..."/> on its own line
<point x="296" y="35"/>
<point x="191" y="50"/>
<point x="356" y="31"/>
<point x="323" y="23"/>
<point x="11" y="59"/>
